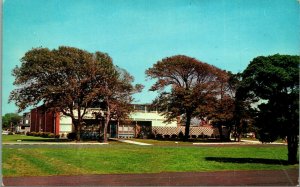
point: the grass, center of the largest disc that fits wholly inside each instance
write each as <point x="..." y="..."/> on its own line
<point x="14" y="138"/>
<point x="126" y="158"/>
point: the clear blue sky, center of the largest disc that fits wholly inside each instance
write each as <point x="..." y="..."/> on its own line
<point x="138" y="33"/>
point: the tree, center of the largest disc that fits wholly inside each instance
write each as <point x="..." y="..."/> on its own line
<point x="116" y="95"/>
<point x="272" y="84"/>
<point x="10" y="120"/>
<point x="187" y="88"/>
<point x="223" y="106"/>
<point x="68" y="79"/>
<point x="243" y="111"/>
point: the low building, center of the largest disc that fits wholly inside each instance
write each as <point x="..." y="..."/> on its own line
<point x="144" y="122"/>
<point x="24" y="124"/>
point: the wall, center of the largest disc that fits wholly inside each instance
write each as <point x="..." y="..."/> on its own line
<point x="156" y="118"/>
<point x="43" y="121"/>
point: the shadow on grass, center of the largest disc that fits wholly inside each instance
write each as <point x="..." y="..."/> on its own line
<point x="248" y="160"/>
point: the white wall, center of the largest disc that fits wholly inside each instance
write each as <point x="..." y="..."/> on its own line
<point x="156" y="118"/>
<point x="65" y="124"/>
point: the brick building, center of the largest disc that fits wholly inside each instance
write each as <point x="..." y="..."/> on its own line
<point x="144" y="121"/>
<point x="42" y="120"/>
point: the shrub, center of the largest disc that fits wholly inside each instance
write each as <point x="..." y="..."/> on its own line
<point x="51" y="135"/>
<point x="71" y="136"/>
<point x="38" y="134"/>
<point x="10" y="133"/>
<point x="166" y="136"/>
<point x="174" y="136"/>
<point x="45" y="134"/>
<point x="151" y="136"/>
<point x="28" y="134"/>
<point x="56" y="136"/>
<point x="194" y="136"/>
<point x="159" y="136"/>
<point x="33" y="134"/>
<point x="180" y="135"/>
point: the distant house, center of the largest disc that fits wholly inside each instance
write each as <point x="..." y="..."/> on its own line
<point x="144" y="122"/>
<point x="24" y="124"/>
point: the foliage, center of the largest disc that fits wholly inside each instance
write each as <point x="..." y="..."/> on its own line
<point x="69" y="80"/>
<point x="71" y="136"/>
<point x="116" y="95"/>
<point x="272" y="84"/>
<point x="187" y="88"/>
<point x="10" y="119"/>
<point x="42" y="134"/>
<point x="223" y="107"/>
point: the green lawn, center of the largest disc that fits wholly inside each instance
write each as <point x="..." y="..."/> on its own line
<point x="125" y="158"/>
<point x="14" y="138"/>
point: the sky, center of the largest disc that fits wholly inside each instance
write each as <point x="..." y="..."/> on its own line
<point x="138" y="33"/>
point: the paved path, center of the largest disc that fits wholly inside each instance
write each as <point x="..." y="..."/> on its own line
<point x="222" y="178"/>
<point x="130" y="141"/>
<point x="52" y="143"/>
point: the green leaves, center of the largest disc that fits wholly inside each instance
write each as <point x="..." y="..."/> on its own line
<point x="274" y="79"/>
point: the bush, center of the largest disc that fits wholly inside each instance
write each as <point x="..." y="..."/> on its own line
<point x="167" y="136"/>
<point x="28" y="134"/>
<point x="266" y="137"/>
<point x="174" y="136"/>
<point x="33" y="134"/>
<point x="151" y="136"/>
<point x="51" y="135"/>
<point x="194" y="136"/>
<point x="38" y="134"/>
<point x="45" y="134"/>
<point x="180" y="135"/>
<point x="56" y="136"/>
<point x="10" y="133"/>
<point x="71" y="136"/>
<point x="159" y="136"/>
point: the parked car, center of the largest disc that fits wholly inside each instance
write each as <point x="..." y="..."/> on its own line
<point x="5" y="132"/>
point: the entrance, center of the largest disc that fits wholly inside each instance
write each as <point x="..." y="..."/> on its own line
<point x="113" y="130"/>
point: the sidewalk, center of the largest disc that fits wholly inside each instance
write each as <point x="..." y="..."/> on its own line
<point x="130" y="141"/>
<point x="220" y="178"/>
<point x="53" y="143"/>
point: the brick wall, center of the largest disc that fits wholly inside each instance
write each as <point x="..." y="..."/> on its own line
<point x="41" y="121"/>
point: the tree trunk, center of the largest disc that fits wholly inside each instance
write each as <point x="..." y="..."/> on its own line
<point x="187" y="126"/>
<point x="107" y="119"/>
<point x="220" y="131"/>
<point x="78" y="131"/>
<point x="101" y="125"/>
<point x="292" y="149"/>
<point x="239" y="137"/>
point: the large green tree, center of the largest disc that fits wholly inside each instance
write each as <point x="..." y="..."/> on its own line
<point x="187" y="87"/>
<point x="10" y="120"/>
<point x="272" y="83"/>
<point x="66" y="79"/>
